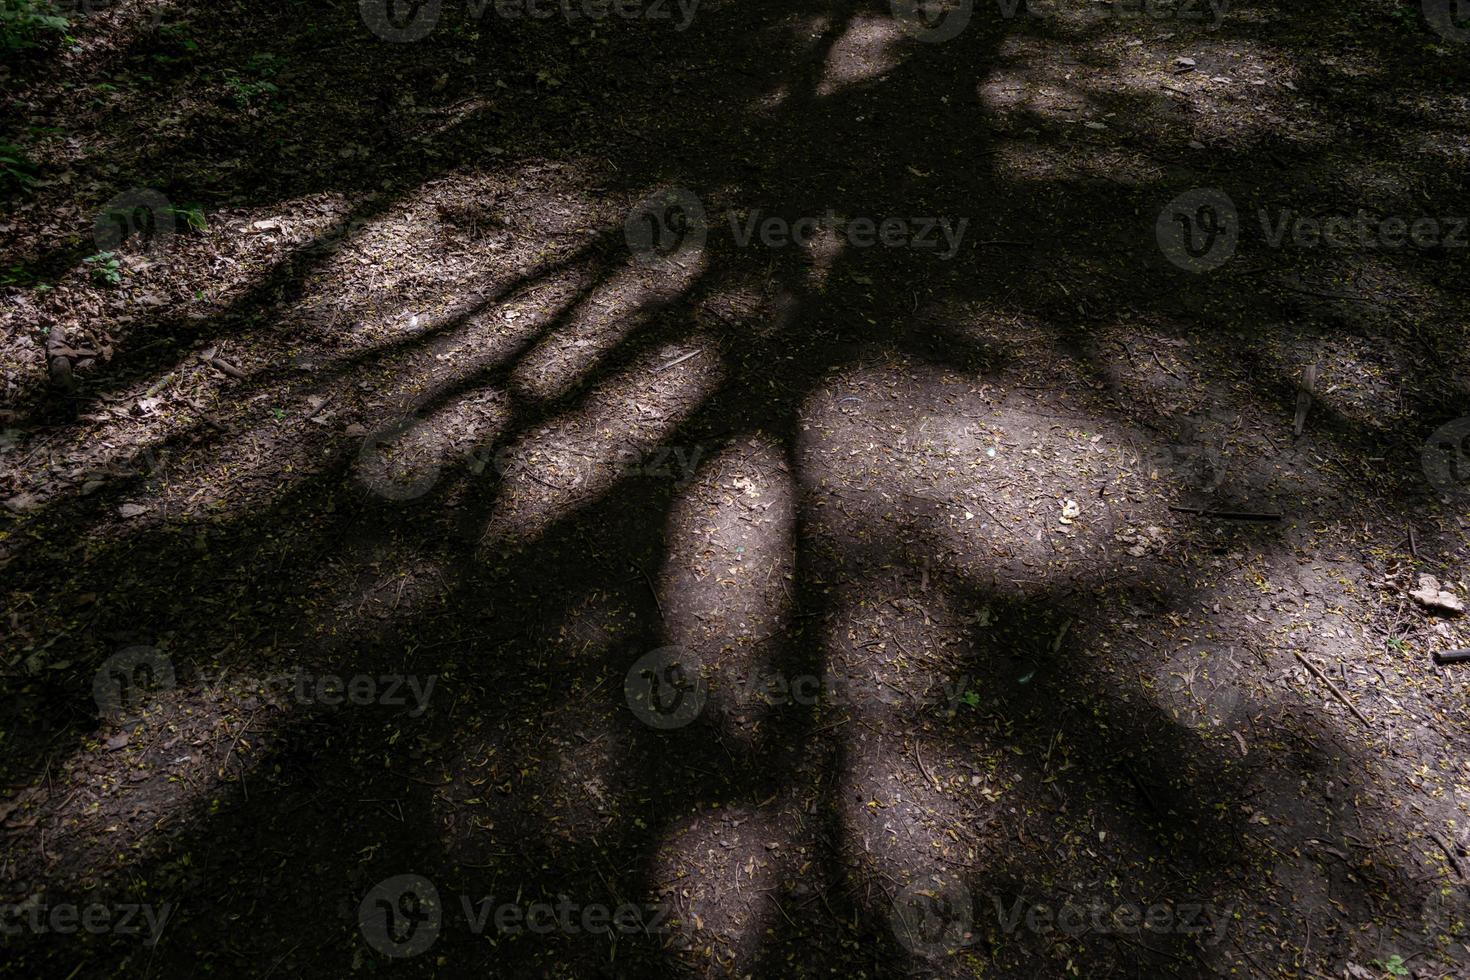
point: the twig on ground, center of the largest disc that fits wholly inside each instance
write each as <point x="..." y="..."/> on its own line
<point x="1331" y="687"/>
<point x="223" y="366"/>
<point x="1450" y="854"/>
<point x="681" y="359"/>
<point x="653" y="590"/>
<point x="925" y="769"/>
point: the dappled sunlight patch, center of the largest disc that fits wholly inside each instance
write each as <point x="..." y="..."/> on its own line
<point x="1017" y="94"/>
<point x="726" y="583"/>
<point x="598" y="325"/>
<point x="771" y="103"/>
<point x="372" y="268"/>
<point x="285" y="444"/>
<point x="868" y="49"/>
<point x="1033" y="162"/>
<point x="1358" y="376"/>
<point x="741" y="849"/>
<point x="321" y="393"/>
<point x="470" y="329"/>
<point x="901" y="653"/>
<point x="1199" y="685"/>
<point x="1447" y="146"/>
<point x="347" y="235"/>
<point x="405" y="457"/>
<point x="163" y="761"/>
<point x="1025" y="160"/>
<point x="1012" y="484"/>
<point x="939" y="560"/>
<point x="1225" y="91"/>
<point x="102" y="31"/>
<point x="578" y="457"/>
<point x="895" y="829"/>
<point x="1035" y="730"/>
<point x="191" y="485"/>
<point x="367" y="285"/>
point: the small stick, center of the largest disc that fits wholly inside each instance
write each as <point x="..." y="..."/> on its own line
<point x="653" y="589"/>
<point x="1449" y="853"/>
<point x="224" y="367"/>
<point x="776" y="902"/>
<point x="1444" y="657"/>
<point x="320" y="408"/>
<point x="925" y="769"/>
<point x="1332" y="687"/>
<point x="682" y="359"/>
<point x="243" y="729"/>
<point x="1162" y="367"/>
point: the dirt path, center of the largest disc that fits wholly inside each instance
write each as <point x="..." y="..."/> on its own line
<point x="736" y="490"/>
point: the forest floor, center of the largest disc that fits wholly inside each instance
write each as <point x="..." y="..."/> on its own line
<point x="736" y="490"/>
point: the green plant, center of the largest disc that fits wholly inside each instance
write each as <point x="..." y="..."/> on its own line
<point x="16" y="172"/>
<point x="22" y="22"/>
<point x="1406" y="18"/>
<point x="191" y="217"/>
<point x="105" y="268"/>
<point x="1394" y="965"/>
<point x="177" y="36"/>
<point x="246" y="92"/>
<point x="263" y="64"/>
<point x="17" y="275"/>
<point x="253" y="82"/>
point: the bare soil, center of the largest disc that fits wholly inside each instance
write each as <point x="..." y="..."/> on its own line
<point x="938" y="538"/>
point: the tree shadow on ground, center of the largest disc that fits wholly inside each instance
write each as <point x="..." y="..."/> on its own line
<point x="331" y="802"/>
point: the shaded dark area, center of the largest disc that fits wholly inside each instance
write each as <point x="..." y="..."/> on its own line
<point x="774" y="841"/>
